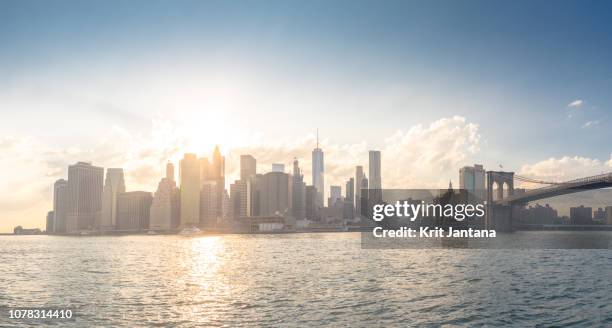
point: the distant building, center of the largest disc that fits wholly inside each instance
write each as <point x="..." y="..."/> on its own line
<point x="113" y="185"/>
<point x="298" y="192"/>
<point x="240" y="198"/>
<point x="209" y="203"/>
<point x="85" y="184"/>
<point x="133" y="210"/>
<point x="275" y="194"/>
<point x="609" y="215"/>
<point x="248" y="167"/>
<point x="349" y="200"/>
<point x="60" y="205"/>
<point x="359" y="177"/>
<point x="311" y="210"/>
<point x="49" y="221"/>
<point x="335" y="194"/>
<point x="318" y="174"/>
<point x="189" y="172"/>
<point x="472" y="179"/>
<point x="599" y="215"/>
<point x="217" y="174"/>
<point x="165" y="206"/>
<point x="581" y="215"/>
<point x="278" y="167"/>
<point x="375" y="179"/>
<point x="19" y="230"/>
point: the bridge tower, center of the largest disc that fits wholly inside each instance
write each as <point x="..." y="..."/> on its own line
<point x="499" y="216"/>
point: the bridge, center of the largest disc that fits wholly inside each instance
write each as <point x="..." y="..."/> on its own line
<point x="499" y="209"/>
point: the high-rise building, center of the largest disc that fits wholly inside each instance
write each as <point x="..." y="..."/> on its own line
<point x="275" y="194"/>
<point x="165" y="207"/>
<point x="359" y="176"/>
<point x="298" y="192"/>
<point x="374" y="177"/>
<point x="170" y="171"/>
<point x="85" y="184"/>
<point x="278" y="167"/>
<point x="318" y="174"/>
<point x="311" y="208"/>
<point x="248" y="167"/>
<point x="581" y="215"/>
<point x="240" y="198"/>
<point x="609" y="215"/>
<point x="133" y="210"/>
<point x="113" y="185"/>
<point x="350" y="191"/>
<point x="472" y="179"/>
<point x="49" y="222"/>
<point x="60" y="205"/>
<point x="189" y="172"/>
<point x="335" y="194"/>
<point x="209" y="202"/>
<point x="217" y="173"/>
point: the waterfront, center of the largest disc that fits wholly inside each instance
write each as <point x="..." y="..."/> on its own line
<point x="301" y="280"/>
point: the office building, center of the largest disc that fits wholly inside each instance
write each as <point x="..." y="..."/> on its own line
<point x="210" y="200"/>
<point x="60" y="205"/>
<point x="113" y="185"/>
<point x="275" y="194"/>
<point x="278" y="167"/>
<point x="49" y="222"/>
<point x="318" y="174"/>
<point x="359" y="177"/>
<point x="248" y="167"/>
<point x="133" y="210"/>
<point x="374" y="170"/>
<point x="335" y="194"/>
<point x="581" y="215"/>
<point x="85" y="185"/>
<point x="189" y="172"/>
<point x="165" y="206"/>
<point x="298" y="192"/>
<point x="472" y="179"/>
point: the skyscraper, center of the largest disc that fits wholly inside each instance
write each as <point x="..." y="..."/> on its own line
<point x="374" y="175"/>
<point x="210" y="200"/>
<point x="49" y="223"/>
<point x="189" y="171"/>
<point x="359" y="177"/>
<point x="318" y="173"/>
<point x="133" y="210"/>
<point x="217" y="173"/>
<point x="248" y="167"/>
<point x="298" y="192"/>
<point x="472" y="179"/>
<point x="278" y="167"/>
<point x="240" y="198"/>
<point x="275" y="195"/>
<point x="113" y="185"/>
<point x="60" y="205"/>
<point x="85" y="184"/>
<point x="165" y="206"/>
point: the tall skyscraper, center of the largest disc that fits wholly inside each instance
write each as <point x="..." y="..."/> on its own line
<point x="472" y="179"/>
<point x="217" y="173"/>
<point x="298" y="194"/>
<point x="113" y="185"/>
<point x="189" y="171"/>
<point x="60" y="205"/>
<point x="240" y="198"/>
<point x="359" y="177"/>
<point x="170" y="171"/>
<point x="374" y="176"/>
<point x="318" y="173"/>
<point x="85" y="184"/>
<point x="133" y="210"/>
<point x="165" y="207"/>
<point x="350" y="191"/>
<point x="248" y="167"/>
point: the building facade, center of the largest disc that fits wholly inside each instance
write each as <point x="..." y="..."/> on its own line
<point x="113" y="185"/>
<point x="85" y="184"/>
<point x="133" y="210"/>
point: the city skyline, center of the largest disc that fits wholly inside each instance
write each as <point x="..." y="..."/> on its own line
<point x="432" y="91"/>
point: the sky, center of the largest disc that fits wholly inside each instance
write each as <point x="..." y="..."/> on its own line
<point x="434" y="85"/>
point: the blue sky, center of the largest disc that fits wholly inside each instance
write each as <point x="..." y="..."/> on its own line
<point x="71" y="71"/>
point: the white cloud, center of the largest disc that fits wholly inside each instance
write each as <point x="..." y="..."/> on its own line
<point x="576" y="103"/>
<point x="565" y="168"/>
<point x="590" y="124"/>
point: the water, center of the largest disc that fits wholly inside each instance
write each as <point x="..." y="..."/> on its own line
<point x="300" y="280"/>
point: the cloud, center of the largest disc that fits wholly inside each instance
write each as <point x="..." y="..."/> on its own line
<point x="565" y="168"/>
<point x="576" y="103"/>
<point x="590" y="124"/>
